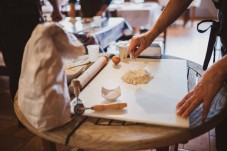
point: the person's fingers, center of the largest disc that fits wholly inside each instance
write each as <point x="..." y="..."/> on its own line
<point x="186" y="104"/>
<point x="184" y="100"/>
<point x="133" y="45"/>
<point x="138" y="51"/>
<point x="206" y="108"/>
<point x="192" y="106"/>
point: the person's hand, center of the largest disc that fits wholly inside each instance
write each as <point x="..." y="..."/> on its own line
<point x="56" y="16"/>
<point x="204" y="92"/>
<point x="138" y="44"/>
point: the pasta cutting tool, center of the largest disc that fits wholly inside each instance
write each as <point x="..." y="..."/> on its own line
<point x="77" y="106"/>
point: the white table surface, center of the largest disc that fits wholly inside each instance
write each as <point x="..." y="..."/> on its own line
<point x="151" y="103"/>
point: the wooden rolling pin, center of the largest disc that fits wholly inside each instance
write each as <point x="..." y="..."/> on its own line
<point x="92" y="71"/>
<point x="88" y="74"/>
<point x="103" y="107"/>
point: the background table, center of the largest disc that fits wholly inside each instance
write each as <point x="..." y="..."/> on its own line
<point x="113" y="29"/>
<point x="103" y="134"/>
<point x="137" y="14"/>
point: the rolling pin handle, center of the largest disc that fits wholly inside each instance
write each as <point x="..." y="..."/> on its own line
<point x="109" y="106"/>
<point x="76" y="86"/>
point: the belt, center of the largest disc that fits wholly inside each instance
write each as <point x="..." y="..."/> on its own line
<point x="212" y="39"/>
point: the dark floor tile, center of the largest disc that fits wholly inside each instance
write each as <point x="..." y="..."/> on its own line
<point x="8" y="128"/>
<point x="212" y="144"/>
<point x="34" y="144"/>
<point x="65" y="148"/>
<point x="9" y="143"/>
<point x="200" y="143"/>
<point x="6" y="107"/>
<point x="2" y="148"/>
<point x="23" y="133"/>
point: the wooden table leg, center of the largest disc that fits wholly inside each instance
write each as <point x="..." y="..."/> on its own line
<point x="164" y="40"/>
<point x="49" y="146"/>
<point x="163" y="148"/>
<point x="186" y="16"/>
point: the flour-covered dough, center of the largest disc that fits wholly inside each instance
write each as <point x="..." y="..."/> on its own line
<point x="140" y="76"/>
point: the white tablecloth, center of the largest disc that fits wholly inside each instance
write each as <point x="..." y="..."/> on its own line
<point x="113" y="29"/>
<point x="138" y="14"/>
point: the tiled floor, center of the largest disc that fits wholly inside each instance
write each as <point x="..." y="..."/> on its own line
<point x="182" y="42"/>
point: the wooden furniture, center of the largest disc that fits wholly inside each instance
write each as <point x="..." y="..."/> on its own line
<point x="102" y="134"/>
<point x="113" y="29"/>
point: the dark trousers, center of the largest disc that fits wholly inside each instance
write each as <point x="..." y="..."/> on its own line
<point x="220" y="130"/>
<point x="221" y="136"/>
<point x="16" y="29"/>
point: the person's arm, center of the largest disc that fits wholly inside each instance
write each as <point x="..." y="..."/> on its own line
<point x="72" y="10"/>
<point x="171" y="12"/>
<point x="205" y="91"/>
<point x="104" y="7"/>
<point x="56" y="14"/>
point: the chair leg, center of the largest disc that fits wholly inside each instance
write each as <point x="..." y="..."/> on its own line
<point x="173" y="147"/>
<point x="164" y="41"/>
<point x="49" y="146"/>
<point x="186" y="17"/>
<point x="193" y="15"/>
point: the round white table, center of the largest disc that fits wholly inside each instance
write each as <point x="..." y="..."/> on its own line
<point x="91" y="133"/>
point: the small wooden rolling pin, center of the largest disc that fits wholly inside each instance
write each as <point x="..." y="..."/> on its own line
<point x="103" y="107"/>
